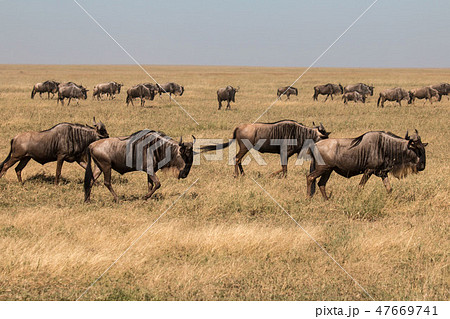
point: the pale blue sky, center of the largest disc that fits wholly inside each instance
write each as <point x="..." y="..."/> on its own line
<point x="400" y="33"/>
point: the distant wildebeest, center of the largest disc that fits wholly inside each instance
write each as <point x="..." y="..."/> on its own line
<point x="47" y="86"/>
<point x="63" y="142"/>
<point x="353" y="96"/>
<point x="273" y="135"/>
<point x="328" y="89"/>
<point x="442" y="88"/>
<point x="110" y="89"/>
<point x="396" y="94"/>
<point x="111" y="153"/>
<point x="423" y="93"/>
<point x="287" y="90"/>
<point x="71" y="91"/>
<point x="226" y="94"/>
<point x="376" y="153"/>
<point x="140" y="91"/>
<point x="361" y="88"/>
<point x="170" y="88"/>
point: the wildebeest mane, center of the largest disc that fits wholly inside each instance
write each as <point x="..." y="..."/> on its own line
<point x="289" y="129"/>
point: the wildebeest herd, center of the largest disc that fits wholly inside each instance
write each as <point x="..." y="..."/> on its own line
<point x="372" y="153"/>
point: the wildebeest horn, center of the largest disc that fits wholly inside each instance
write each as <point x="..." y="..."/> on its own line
<point x="417" y="132"/>
<point x="181" y="140"/>
<point x="193" y="138"/>
<point x="314" y="124"/>
<point x="321" y="126"/>
<point x="407" y="135"/>
<point x="94" y="120"/>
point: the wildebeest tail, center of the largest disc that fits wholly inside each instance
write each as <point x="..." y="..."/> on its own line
<point x="33" y="92"/>
<point x="88" y="176"/>
<point x="315" y="94"/>
<point x="215" y="147"/>
<point x="7" y="157"/>
<point x="378" y="102"/>
<point x="312" y="168"/>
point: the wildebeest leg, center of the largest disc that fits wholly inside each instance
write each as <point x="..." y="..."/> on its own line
<point x="23" y="162"/>
<point x="96" y="172"/>
<point x="365" y="178"/>
<point x="311" y="178"/>
<point x="322" y="182"/>
<point x="228" y="105"/>
<point x="400" y="102"/>
<point x="238" y="165"/>
<point x="220" y="104"/>
<point x="386" y="183"/>
<point x="326" y="98"/>
<point x="107" y="182"/>
<point x="7" y="165"/>
<point x="48" y="95"/>
<point x="68" y="103"/>
<point x="59" y="164"/>
<point x="153" y="185"/>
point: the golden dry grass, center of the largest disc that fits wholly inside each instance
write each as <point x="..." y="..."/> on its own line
<point x="225" y="239"/>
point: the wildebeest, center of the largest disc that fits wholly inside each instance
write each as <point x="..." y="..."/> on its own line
<point x="327" y="89"/>
<point x="47" y="86"/>
<point x="361" y="88"/>
<point x="112" y="153"/>
<point x="353" y="96"/>
<point x="442" y="88"/>
<point x="376" y="153"/>
<point x="63" y="142"/>
<point x="226" y="94"/>
<point x="71" y="91"/>
<point x="426" y="93"/>
<point x="139" y="91"/>
<point x="170" y="88"/>
<point x="396" y="94"/>
<point x="271" y="136"/>
<point x="287" y="90"/>
<point x="110" y="89"/>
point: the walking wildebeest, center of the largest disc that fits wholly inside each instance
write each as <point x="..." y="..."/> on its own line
<point x="112" y="153"/>
<point x="170" y="88"/>
<point x="361" y="88"/>
<point x="396" y="94"/>
<point x="287" y="90"/>
<point x="110" y="89"/>
<point x="71" y="91"/>
<point x="226" y="94"/>
<point x="353" y="96"/>
<point x="271" y="135"/>
<point x="327" y="89"/>
<point x="63" y="142"/>
<point x="376" y="153"/>
<point x="423" y="93"/>
<point x="442" y="88"/>
<point x="139" y="91"/>
<point x="47" y="86"/>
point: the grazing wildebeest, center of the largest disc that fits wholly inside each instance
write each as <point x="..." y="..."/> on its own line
<point x="110" y="89"/>
<point x="171" y="88"/>
<point x="272" y="134"/>
<point x="226" y="94"/>
<point x="396" y="94"/>
<point x="426" y="93"/>
<point x="442" y="88"/>
<point x="63" y="142"/>
<point x="361" y="88"/>
<point x="139" y="91"/>
<point x="47" y="86"/>
<point x="327" y="89"/>
<point x="353" y="96"/>
<point x="376" y="153"/>
<point x="287" y="90"/>
<point x="111" y="153"/>
<point x="71" y="91"/>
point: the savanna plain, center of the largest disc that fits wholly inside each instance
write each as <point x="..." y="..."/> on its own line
<point x="225" y="238"/>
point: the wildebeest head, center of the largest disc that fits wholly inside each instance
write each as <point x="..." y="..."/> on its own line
<point x="100" y="129"/>
<point x="119" y="86"/>
<point x="410" y="97"/>
<point x="371" y="87"/>
<point x="322" y="133"/>
<point x="187" y="154"/>
<point x="415" y="144"/>
<point x="341" y="88"/>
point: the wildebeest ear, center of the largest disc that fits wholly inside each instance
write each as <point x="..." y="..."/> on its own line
<point x="181" y="141"/>
<point x="424" y="144"/>
<point x="314" y="124"/>
<point x="94" y="120"/>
